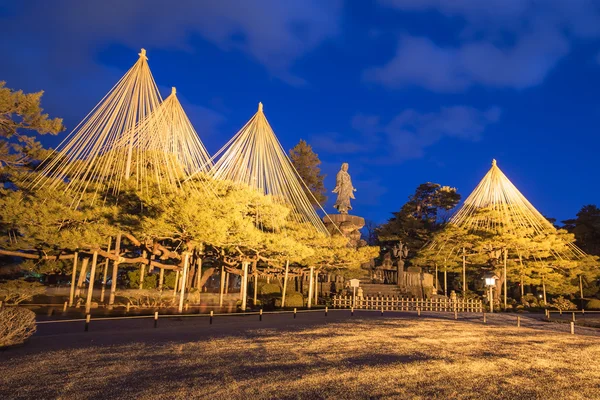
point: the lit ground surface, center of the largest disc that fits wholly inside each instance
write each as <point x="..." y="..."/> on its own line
<point x="367" y="356"/>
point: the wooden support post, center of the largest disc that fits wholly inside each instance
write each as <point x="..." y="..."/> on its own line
<point x="199" y="278"/>
<point x="316" y="286"/>
<point x="105" y="273"/>
<point x="115" y="273"/>
<point x="573" y="317"/>
<point x="212" y="313"/>
<point x="294" y="313"/>
<point x="505" y="282"/>
<point x="260" y="315"/>
<point x="73" y="279"/>
<point x="226" y="282"/>
<point x="156" y="319"/>
<point x="310" y="286"/>
<point x="326" y="309"/>
<point x="186" y="261"/>
<point x="455" y="314"/>
<point x="255" y="299"/>
<point x="176" y="283"/>
<point x="484" y="318"/>
<point x="544" y="289"/>
<point x="244" y="288"/>
<point x="142" y="271"/>
<point x="90" y="292"/>
<point x="518" y="321"/>
<point x="64" y="306"/>
<point x="572" y="328"/>
<point x="222" y="286"/>
<point x="161" y="279"/>
<point x="82" y="276"/>
<point x="464" y="272"/>
<point x="285" y="281"/>
<point x="445" y="280"/>
<point x="88" y="318"/>
<point x="435" y="282"/>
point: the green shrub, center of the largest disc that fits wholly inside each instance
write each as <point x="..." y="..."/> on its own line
<point x="16" y="325"/>
<point x="563" y="304"/>
<point x="529" y="300"/>
<point x="18" y="290"/>
<point x="149" y="298"/>
<point x="292" y="299"/>
<point x="169" y="279"/>
<point x="269" y="288"/>
<point x="150" y="281"/>
<point x="593" y="304"/>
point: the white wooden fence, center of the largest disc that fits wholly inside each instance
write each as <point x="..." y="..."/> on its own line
<point x="390" y="303"/>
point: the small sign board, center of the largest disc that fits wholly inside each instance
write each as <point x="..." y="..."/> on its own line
<point x="354" y="282"/>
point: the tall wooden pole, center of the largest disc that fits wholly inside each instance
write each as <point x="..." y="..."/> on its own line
<point x="222" y="286"/>
<point x="176" y="283"/>
<point x="88" y="303"/>
<point x="255" y="288"/>
<point x="115" y="272"/>
<point x="436" y="279"/>
<point x="464" y="271"/>
<point x="316" y="285"/>
<point x="544" y="289"/>
<point x="505" y="282"/>
<point x="82" y="276"/>
<point x="142" y="271"/>
<point x="161" y="279"/>
<point x="186" y="260"/>
<point x="310" y="287"/>
<point x="105" y="273"/>
<point x="522" y="285"/>
<point x="285" y="281"/>
<point x="226" y="282"/>
<point x="244" y="288"/>
<point x="580" y="288"/>
<point x="73" y="279"/>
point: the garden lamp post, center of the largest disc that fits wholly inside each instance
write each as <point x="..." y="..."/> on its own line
<point x="490" y="282"/>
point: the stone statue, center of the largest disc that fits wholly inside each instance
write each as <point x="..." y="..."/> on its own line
<point x="344" y="190"/>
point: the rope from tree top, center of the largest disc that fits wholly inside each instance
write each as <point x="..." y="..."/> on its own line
<point x="255" y="157"/>
<point x="128" y="136"/>
<point x="517" y="216"/>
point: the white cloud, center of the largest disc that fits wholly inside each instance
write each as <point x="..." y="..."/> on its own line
<point x="504" y="43"/>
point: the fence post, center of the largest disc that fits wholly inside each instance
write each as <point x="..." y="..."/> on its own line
<point x="518" y="321"/>
<point x="211" y="316"/>
<point x="484" y="319"/>
<point x="573" y="317"/>
<point x="127" y="310"/>
<point x="295" y="312"/>
<point x="155" y="319"/>
<point x="352" y="311"/>
<point x="572" y="328"/>
<point x="64" y="306"/>
<point x="382" y="311"/>
<point x="418" y="312"/>
<point x="87" y="322"/>
<point x="455" y="314"/>
<point x="260" y="315"/>
<point x="325" y="310"/>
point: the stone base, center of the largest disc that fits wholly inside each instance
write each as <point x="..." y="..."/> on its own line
<point x="348" y="225"/>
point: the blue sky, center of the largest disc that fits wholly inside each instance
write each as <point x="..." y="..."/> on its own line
<point x="406" y="91"/>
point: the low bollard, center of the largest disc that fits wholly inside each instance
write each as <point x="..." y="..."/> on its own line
<point x="211" y="316"/>
<point x="352" y="311"/>
<point x="484" y="318"/>
<point x="88" y="317"/>
<point x="455" y="314"/>
<point x="127" y="310"/>
<point x="260" y="315"/>
<point x="572" y="328"/>
<point x="518" y="321"/>
<point x="325" y="310"/>
<point x="418" y="312"/>
<point x="583" y="311"/>
<point x="65" y="306"/>
<point x="382" y="311"/>
<point x="294" y="313"/>
<point x="156" y="319"/>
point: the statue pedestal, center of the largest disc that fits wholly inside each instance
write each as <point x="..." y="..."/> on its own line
<point x="349" y="225"/>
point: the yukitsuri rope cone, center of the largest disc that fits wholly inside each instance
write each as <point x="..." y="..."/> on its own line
<point x="255" y="157"/>
<point x="128" y="136"/>
<point x="518" y="216"/>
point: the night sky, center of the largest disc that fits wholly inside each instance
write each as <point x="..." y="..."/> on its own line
<point x="406" y="91"/>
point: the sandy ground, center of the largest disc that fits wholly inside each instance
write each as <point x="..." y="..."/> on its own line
<point x="366" y="356"/>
